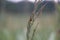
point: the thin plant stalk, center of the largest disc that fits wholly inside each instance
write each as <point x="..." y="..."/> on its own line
<point x="34" y="31"/>
<point x="32" y="19"/>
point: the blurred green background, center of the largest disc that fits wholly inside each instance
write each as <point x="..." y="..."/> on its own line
<point x="14" y="20"/>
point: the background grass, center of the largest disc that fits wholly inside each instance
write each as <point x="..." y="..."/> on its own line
<point x="13" y="27"/>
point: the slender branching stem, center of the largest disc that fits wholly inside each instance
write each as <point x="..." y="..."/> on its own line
<point x="32" y="20"/>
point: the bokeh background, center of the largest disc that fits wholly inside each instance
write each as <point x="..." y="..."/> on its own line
<point x="15" y="14"/>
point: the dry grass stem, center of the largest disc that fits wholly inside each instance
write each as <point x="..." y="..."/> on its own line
<point x="33" y="18"/>
<point x="34" y="31"/>
<point x="31" y="21"/>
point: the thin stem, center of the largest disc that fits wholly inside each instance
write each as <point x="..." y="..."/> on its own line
<point x="34" y="31"/>
<point x="30" y="22"/>
<point x="32" y="19"/>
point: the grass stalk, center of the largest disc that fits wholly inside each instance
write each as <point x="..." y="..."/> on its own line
<point x="33" y="18"/>
<point x="34" y="31"/>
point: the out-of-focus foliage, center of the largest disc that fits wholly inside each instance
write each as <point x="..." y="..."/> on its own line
<point x="0" y="5"/>
<point x="49" y="8"/>
<point x="43" y="32"/>
<point x="19" y="7"/>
